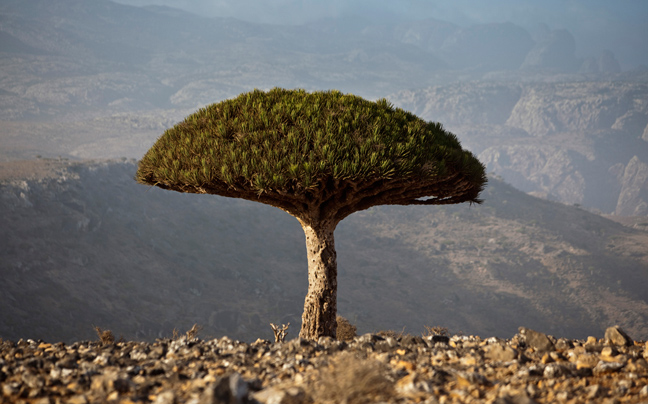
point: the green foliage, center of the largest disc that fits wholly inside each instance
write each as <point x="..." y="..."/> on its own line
<point x="292" y="141"/>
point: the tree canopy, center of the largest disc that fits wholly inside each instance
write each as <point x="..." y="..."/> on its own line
<point x="300" y="151"/>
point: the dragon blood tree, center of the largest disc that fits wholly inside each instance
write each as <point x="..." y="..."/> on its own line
<point x="320" y="157"/>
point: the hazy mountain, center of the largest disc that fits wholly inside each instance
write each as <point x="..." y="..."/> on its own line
<point x="63" y="58"/>
<point x="83" y="244"/>
<point x="595" y="24"/>
<point x="576" y="142"/>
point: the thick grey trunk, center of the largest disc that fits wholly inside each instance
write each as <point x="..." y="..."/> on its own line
<point x="320" y="306"/>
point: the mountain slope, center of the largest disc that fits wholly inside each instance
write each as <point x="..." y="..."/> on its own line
<point x="85" y="245"/>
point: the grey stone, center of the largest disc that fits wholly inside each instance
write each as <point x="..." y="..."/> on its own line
<point x="563" y="344"/>
<point x="516" y="399"/>
<point x="32" y="381"/>
<point x="230" y="389"/>
<point x="592" y="391"/>
<point x="272" y="395"/>
<point x="537" y="340"/>
<point x="325" y="340"/>
<point x="78" y="399"/>
<point x="383" y="346"/>
<point x="607" y="367"/>
<point x="391" y="342"/>
<point x="616" y="336"/>
<point x="554" y="370"/>
<point x="9" y="389"/>
<point x="474" y="378"/>
<point x="371" y="338"/>
<point x="644" y="391"/>
<point x="499" y="352"/>
<point x="166" y="397"/>
<point x="412" y="340"/>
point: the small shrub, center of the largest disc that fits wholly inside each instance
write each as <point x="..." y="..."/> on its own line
<point x="345" y="330"/>
<point x="105" y="336"/>
<point x="193" y="332"/>
<point x="437" y="330"/>
<point x="349" y="379"/>
<point x="392" y="333"/>
<point x="280" y="332"/>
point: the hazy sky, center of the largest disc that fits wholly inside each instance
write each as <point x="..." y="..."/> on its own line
<point x="559" y="12"/>
<point x="618" y="25"/>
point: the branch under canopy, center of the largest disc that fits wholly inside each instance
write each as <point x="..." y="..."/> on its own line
<point x="318" y="156"/>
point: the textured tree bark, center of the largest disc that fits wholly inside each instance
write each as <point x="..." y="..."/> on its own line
<point x="320" y="305"/>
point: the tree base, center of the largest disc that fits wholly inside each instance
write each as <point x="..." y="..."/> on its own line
<point x="320" y="305"/>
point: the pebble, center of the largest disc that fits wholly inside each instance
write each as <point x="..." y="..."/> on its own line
<point x="531" y="367"/>
<point x="644" y="391"/>
<point x="500" y="352"/>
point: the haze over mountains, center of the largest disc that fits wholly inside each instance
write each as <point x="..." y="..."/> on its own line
<point x="547" y="111"/>
<point x="595" y="24"/>
<point x="127" y="58"/>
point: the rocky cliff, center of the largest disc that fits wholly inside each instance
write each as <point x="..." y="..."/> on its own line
<point x="577" y="142"/>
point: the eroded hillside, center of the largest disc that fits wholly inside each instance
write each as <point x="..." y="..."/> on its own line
<point x="582" y="142"/>
<point x="86" y="245"/>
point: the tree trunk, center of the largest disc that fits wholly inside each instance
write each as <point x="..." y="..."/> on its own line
<point x="320" y="306"/>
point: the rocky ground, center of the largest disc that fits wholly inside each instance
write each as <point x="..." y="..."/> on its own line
<point x="531" y="367"/>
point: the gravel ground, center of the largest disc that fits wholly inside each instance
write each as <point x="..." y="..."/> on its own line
<point x="531" y="367"/>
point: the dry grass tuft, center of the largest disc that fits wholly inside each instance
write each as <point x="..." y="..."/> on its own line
<point x="105" y="336"/>
<point x="352" y="380"/>
<point x="280" y="332"/>
<point x="392" y="333"/>
<point x="345" y="330"/>
<point x="437" y="330"/>
<point x="193" y="332"/>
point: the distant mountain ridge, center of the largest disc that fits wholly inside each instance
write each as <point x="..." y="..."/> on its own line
<point x="70" y="55"/>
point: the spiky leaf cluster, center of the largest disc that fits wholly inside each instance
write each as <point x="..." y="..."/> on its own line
<point x="291" y="144"/>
